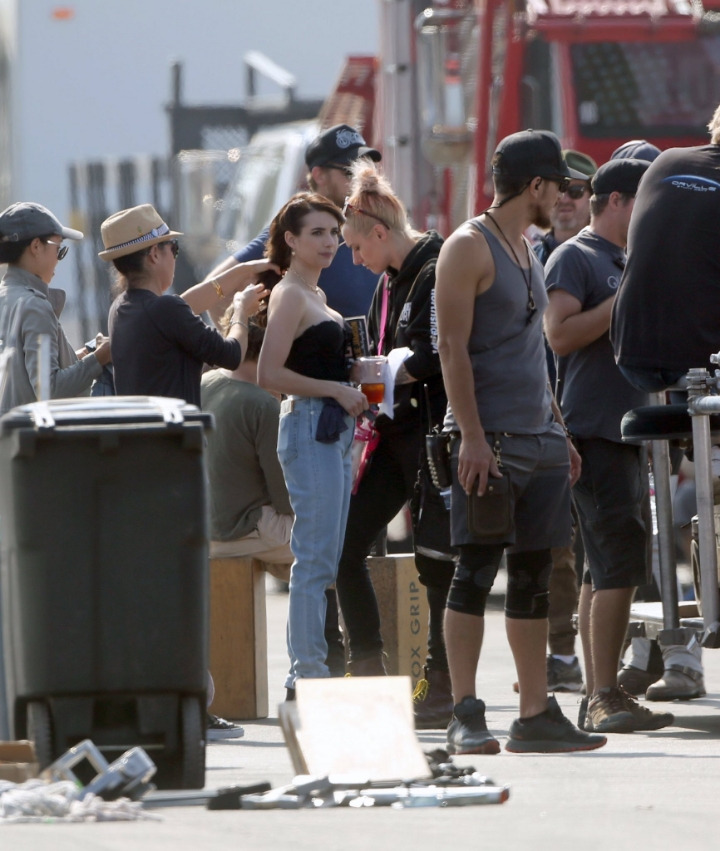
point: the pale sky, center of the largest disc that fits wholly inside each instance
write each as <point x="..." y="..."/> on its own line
<point x="94" y="85"/>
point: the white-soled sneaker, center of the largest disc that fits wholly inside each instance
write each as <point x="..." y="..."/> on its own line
<point x="219" y="728"/>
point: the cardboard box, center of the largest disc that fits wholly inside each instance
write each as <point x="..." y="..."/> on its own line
<point x="18" y="761"/>
<point x="403" y="605"/>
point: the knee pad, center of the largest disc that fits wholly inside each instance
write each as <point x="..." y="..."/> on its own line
<point x="473" y="579"/>
<point x="434" y="573"/>
<point x="527" y="587"/>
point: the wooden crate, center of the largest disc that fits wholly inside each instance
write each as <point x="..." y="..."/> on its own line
<point x="238" y="638"/>
<point x="403" y="613"/>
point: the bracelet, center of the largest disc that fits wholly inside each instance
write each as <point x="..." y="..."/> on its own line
<point x="218" y="288"/>
<point x="239" y="322"/>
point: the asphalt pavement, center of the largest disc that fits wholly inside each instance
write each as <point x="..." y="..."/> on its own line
<point x="654" y="790"/>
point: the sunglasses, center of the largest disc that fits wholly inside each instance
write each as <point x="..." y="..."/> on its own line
<point x="62" y="250"/>
<point x="576" y="191"/>
<point x="174" y="247"/>
<point x="562" y="182"/>
<point x="346" y="170"/>
<point x="353" y="209"/>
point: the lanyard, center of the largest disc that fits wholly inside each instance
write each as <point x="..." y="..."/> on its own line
<point x="383" y="312"/>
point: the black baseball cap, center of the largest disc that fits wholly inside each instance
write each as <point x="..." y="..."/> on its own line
<point x="339" y="145"/>
<point x="532" y="153"/>
<point x="622" y="175"/>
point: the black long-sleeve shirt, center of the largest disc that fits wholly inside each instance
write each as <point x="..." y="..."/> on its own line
<point x="411" y="322"/>
<point x="159" y="346"/>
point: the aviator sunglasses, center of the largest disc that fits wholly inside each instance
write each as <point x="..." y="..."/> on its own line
<point x="62" y="250"/>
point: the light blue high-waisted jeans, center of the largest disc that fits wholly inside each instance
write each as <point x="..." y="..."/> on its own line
<point x="318" y="478"/>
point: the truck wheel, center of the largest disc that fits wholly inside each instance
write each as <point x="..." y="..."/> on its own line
<point x="39" y="730"/>
<point x="193" y="744"/>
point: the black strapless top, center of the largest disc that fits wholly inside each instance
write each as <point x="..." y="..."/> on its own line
<point x="322" y="351"/>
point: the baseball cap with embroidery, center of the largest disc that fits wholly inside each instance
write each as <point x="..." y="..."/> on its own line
<point x="339" y="145"/>
<point x="532" y="153"/>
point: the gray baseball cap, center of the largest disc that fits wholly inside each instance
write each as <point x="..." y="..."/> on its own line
<point x="26" y="220"/>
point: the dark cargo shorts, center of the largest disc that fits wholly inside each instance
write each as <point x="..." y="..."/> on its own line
<point x="539" y="469"/>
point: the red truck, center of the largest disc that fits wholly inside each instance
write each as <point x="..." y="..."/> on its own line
<point x="455" y="76"/>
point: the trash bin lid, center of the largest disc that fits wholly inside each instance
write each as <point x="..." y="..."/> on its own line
<point x="103" y="410"/>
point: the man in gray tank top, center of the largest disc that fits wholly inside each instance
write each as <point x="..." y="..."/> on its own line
<point x="490" y="302"/>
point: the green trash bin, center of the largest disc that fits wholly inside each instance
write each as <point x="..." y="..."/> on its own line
<point x="105" y="578"/>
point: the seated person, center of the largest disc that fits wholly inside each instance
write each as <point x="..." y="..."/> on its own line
<point x="250" y="513"/>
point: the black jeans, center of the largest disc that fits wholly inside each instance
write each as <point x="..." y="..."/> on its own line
<point x="384" y="489"/>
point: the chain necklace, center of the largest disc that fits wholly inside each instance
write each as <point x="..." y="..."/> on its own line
<point x="526" y="274"/>
<point x="313" y="288"/>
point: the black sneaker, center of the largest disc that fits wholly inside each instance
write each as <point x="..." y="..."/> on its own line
<point x="564" y="677"/>
<point x="550" y="732"/>
<point x="561" y="676"/>
<point x="582" y="722"/>
<point x="467" y="731"/>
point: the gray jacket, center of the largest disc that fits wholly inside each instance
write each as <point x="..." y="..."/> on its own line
<point x="26" y="311"/>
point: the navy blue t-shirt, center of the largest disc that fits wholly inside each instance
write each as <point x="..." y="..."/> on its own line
<point x="349" y="289"/>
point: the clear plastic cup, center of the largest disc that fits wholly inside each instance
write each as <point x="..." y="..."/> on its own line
<point x="369" y="372"/>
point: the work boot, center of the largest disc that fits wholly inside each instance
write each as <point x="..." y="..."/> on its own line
<point x="550" y="732"/>
<point x="468" y="732"/>
<point x="645" y="719"/>
<point x="607" y="712"/>
<point x="367" y="666"/>
<point x="677" y="684"/>
<point x="683" y="675"/>
<point x="636" y="681"/>
<point x="433" y="700"/>
<point x="643" y="667"/>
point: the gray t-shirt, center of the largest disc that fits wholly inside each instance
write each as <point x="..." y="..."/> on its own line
<point x="591" y="390"/>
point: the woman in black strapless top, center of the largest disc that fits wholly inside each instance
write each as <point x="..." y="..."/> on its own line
<point x="305" y="356"/>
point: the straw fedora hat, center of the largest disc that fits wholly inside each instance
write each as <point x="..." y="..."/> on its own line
<point x="133" y="230"/>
